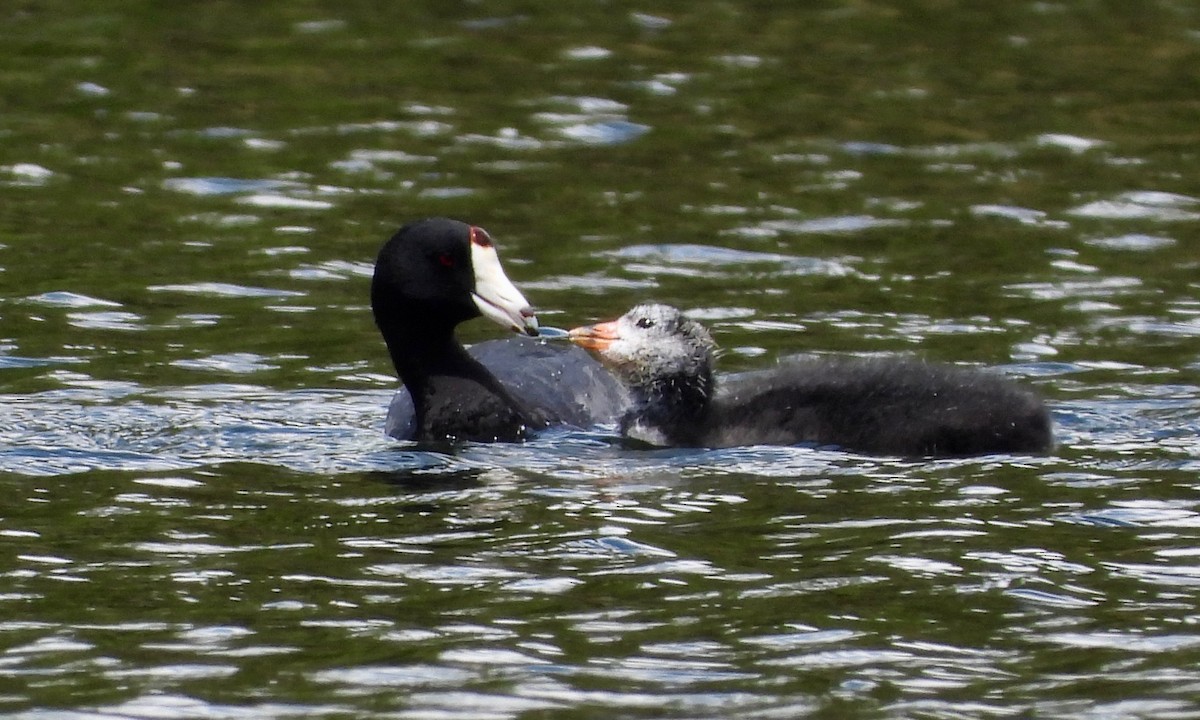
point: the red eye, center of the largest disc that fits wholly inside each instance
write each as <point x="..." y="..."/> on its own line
<point x="445" y="260"/>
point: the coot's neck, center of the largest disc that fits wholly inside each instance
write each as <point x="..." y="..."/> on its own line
<point x="670" y="409"/>
<point x="421" y="354"/>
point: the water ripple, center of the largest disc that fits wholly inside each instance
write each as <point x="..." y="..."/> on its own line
<point x="219" y="289"/>
<point x="1141" y="205"/>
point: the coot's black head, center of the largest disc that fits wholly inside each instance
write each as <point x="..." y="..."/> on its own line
<point x="435" y="273"/>
<point x="650" y="343"/>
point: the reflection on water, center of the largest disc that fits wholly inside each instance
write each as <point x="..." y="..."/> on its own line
<point x="98" y="425"/>
<point x="205" y="519"/>
<point x="749" y="579"/>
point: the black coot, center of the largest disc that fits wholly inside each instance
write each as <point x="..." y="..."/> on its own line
<point x="887" y="406"/>
<point x="432" y="275"/>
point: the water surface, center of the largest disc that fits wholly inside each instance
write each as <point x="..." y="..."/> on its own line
<point x="204" y="519"/>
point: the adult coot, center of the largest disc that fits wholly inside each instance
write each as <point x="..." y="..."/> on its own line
<point x="432" y="275"/>
<point x="878" y="406"/>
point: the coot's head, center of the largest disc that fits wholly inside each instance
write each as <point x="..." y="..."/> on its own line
<point x="649" y="343"/>
<point x="436" y="273"/>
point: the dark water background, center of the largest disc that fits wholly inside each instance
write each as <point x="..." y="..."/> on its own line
<point x="201" y="517"/>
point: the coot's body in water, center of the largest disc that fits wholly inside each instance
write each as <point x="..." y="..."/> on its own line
<point x="877" y="406"/>
<point x="434" y="274"/>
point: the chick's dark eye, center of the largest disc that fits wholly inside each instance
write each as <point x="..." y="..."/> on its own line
<point x="645" y="323"/>
<point x="446" y="260"/>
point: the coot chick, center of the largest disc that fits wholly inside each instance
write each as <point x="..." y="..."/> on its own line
<point x="434" y="274"/>
<point x="882" y="406"/>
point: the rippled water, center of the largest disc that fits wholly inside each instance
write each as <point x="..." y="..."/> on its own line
<point x="204" y="519"/>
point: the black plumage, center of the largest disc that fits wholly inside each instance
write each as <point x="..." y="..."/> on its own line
<point x="434" y="274"/>
<point x="883" y="406"/>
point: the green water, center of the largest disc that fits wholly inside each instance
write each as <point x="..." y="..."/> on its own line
<point x="203" y="518"/>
